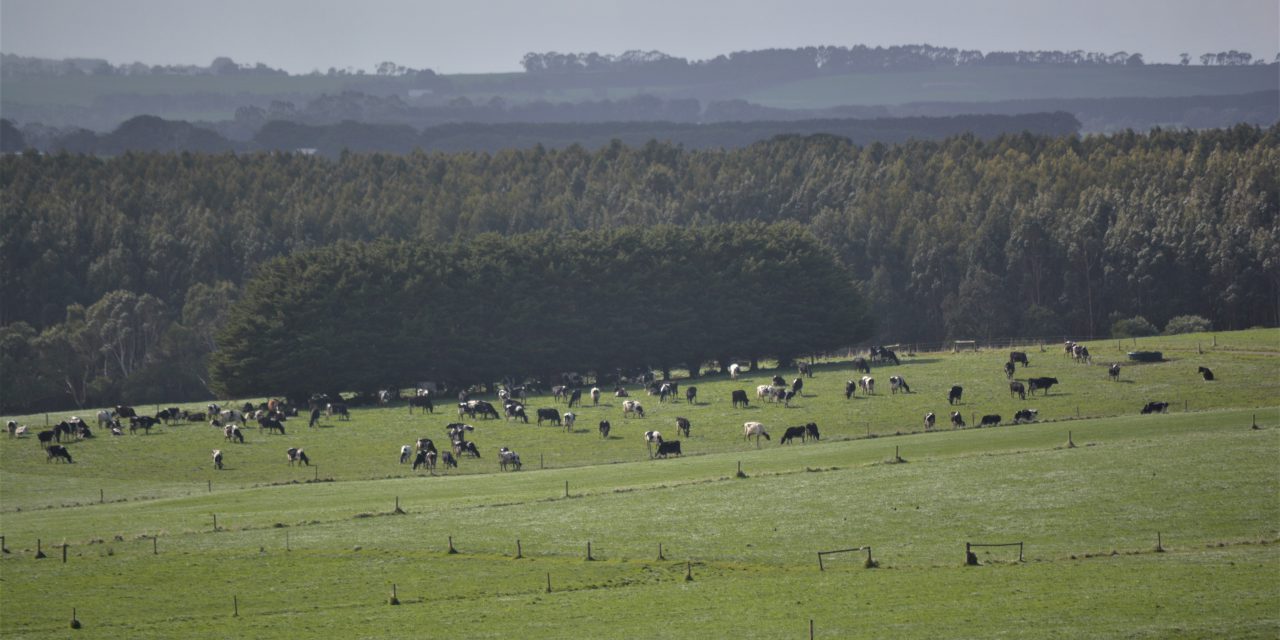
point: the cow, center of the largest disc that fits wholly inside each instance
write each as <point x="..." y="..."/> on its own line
<point x="953" y="396"/>
<point x="232" y="433"/>
<point x="426" y="458"/>
<point x="569" y="419"/>
<point x="422" y="402"/>
<point x="508" y="458"/>
<point x="754" y="430"/>
<point x="125" y="412"/>
<point x="559" y="392"/>
<point x="734" y="370"/>
<point x="790" y="433"/>
<point x="849" y="387"/>
<point x="13" y="428"/>
<point x="1040" y="383"/>
<point x="551" y="415"/>
<point x="1025" y="415"/>
<point x="804" y="369"/>
<point x="620" y="392"/>
<point x="898" y="383"/>
<point x="740" y="398"/>
<point x="990" y="419"/>
<point x="315" y="417"/>
<point x="1018" y="356"/>
<point x="217" y="458"/>
<point x="198" y="416"/>
<point x="1009" y="368"/>
<point x="683" y="426"/>
<point x="142" y="422"/>
<point x="632" y="408"/>
<point x="929" y="420"/>
<point x="516" y="412"/>
<point x="867" y="384"/>
<point x="58" y="451"/>
<point x="449" y="461"/>
<point x="338" y="409"/>
<point x="691" y="395"/>
<point x="764" y="391"/>
<point x="652" y="437"/>
<point x="957" y="420"/>
<point x="469" y="448"/>
<point x="405" y="452"/>
<point x="104" y="418"/>
<point x="797" y="386"/>
<point x="297" y="455"/>
<point x="604" y="428"/>
<point x="1113" y="372"/>
<point x="1206" y="374"/>
<point x="575" y="398"/>
<point x="811" y="431"/>
<point x="787" y="397"/>
<point x="170" y="415"/>
<point x="860" y="364"/>
<point x="424" y="444"/>
<point x="1080" y="353"/>
<point x="671" y="447"/>
<point x="231" y="415"/>
<point x="46" y="437"/>
<point x="1016" y="387"/>
<point x="270" y="424"/>
<point x="778" y="381"/>
<point x="1156" y="407"/>
<point x="595" y="395"/>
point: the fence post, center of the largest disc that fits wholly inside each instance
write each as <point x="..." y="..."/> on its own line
<point x="519" y="551"/>
<point x="820" y="567"/>
<point x="235" y="604"/>
<point x="155" y="545"/>
<point x="451" y="549"/>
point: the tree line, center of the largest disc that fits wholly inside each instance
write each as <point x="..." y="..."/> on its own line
<point x="959" y="238"/>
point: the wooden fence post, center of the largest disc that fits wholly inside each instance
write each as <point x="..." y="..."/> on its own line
<point x="235" y="604"/>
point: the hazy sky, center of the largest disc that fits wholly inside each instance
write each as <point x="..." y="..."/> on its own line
<point x="458" y="36"/>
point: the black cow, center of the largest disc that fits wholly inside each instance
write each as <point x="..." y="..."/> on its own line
<point x="553" y="415"/>
<point x="425" y="458"/>
<point x="1206" y="373"/>
<point x="1040" y="383"/>
<point x="740" y="398"/>
<point x="575" y="398"/>
<point x="604" y="428"/>
<point x="671" y="447"/>
<point x="58" y="451"/>
<point x="779" y="381"/>
<point x="1156" y="407"/>
<point x="315" y="417"/>
<point x="142" y="422"/>
<point x="1025" y="415"/>
<point x="860" y="364"/>
<point x="811" y="431"/>
<point x="991" y="419"/>
<point x="792" y="432"/>
<point x="682" y="426"/>
<point x="422" y="402"/>
<point x="339" y="409"/>
<point x="1009" y="369"/>
<point x="691" y="394"/>
<point x="125" y="412"/>
<point x="486" y="410"/>
<point x="1113" y="372"/>
<point x="1018" y="356"/>
<point x="953" y="396"/>
<point x="886" y="354"/>
<point x="1018" y="388"/>
<point x="170" y="415"/>
<point x="46" y="437"/>
<point x="198" y="416"/>
<point x="271" y="424"/>
<point x="957" y="420"/>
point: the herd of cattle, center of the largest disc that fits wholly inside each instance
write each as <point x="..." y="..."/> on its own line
<point x="272" y="415"/>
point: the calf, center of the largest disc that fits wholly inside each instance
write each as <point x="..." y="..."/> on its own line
<point x="217" y="458"/>
<point x="58" y="451"/>
<point x="953" y="396"/>
<point x="1018" y="356"/>
<point x="739" y="398"/>
<point x="1156" y="407"/>
<point x="1025" y="415"/>
<point x="297" y="455"/>
<point x="1206" y="374"/>
<point x="1113" y="372"/>
<point x="691" y="394"/>
<point x="405" y="452"/>
<point x="604" y="428"/>
<point x="665" y="449"/>
<point x="992" y="420"/>
<point x="1016" y="387"/>
<point x="1040" y="383"/>
<point x="551" y="415"/>
<point x="957" y="420"/>
<point x="683" y="426"/>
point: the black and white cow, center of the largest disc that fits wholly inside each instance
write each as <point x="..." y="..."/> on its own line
<point x="58" y="451"/>
<point x="232" y="433"/>
<point x="1025" y="415"/>
<point x="605" y="427"/>
<point x="683" y="426"/>
<point x="595" y="395"/>
<point x="217" y="458"/>
<point x="791" y="433"/>
<point x="575" y="398"/>
<point x="142" y="422"/>
<point x="929" y="420"/>
<point x="849" y="387"/>
<point x="508" y="459"/>
<point x="898" y="383"/>
<point x="632" y="408"/>
<point x="1009" y="368"/>
<point x="797" y="386"/>
<point x="1156" y="407"/>
<point x="1113" y="372"/>
<point x="957" y="420"/>
<point x="270" y="424"/>
<point x="297" y="455"/>
<point x="1206" y="374"/>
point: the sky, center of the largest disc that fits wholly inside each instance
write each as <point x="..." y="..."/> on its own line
<point x="480" y="36"/>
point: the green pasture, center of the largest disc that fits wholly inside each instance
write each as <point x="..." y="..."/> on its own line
<point x="315" y="552"/>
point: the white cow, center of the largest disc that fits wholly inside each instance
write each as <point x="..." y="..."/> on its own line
<point x="754" y="430"/>
<point x="595" y="395"/>
<point x="406" y="452"/>
<point x="867" y="384"/>
<point x="632" y="407"/>
<point x="763" y="391"/>
<point x="569" y="418"/>
<point x="734" y="369"/>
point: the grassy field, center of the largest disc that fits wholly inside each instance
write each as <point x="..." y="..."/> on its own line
<point x="304" y="557"/>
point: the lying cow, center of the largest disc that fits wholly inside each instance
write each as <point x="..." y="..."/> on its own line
<point x="1156" y="407"/>
<point x="1025" y="415"/>
<point x="670" y="447"/>
<point x="990" y="420"/>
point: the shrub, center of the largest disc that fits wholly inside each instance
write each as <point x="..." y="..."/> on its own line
<point x="1134" y="327"/>
<point x="1187" y="324"/>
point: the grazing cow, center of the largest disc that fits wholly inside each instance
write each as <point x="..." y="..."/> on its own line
<point x="860" y="364"/>
<point x="466" y="447"/>
<point x="297" y="455"/>
<point x="232" y="433"/>
<point x="231" y="415"/>
<point x="425" y="458"/>
<point x="508" y="458"/>
<point x="1040" y="383"/>
<point x="1206" y="374"/>
<point x="405" y="452"/>
<point x="632" y="408"/>
<point x="953" y="396"/>
<point x="898" y="383"/>
<point x="338" y="409"/>
<point x="270" y="424"/>
<point x="777" y="394"/>
<point x="957" y="420"/>
<point x="804" y="369"/>
<point x="787" y="397"/>
<point x="867" y="384"/>
<point x="929" y="420"/>
<point x="58" y="451"/>
<point x="811" y="431"/>
<point x="46" y="437"/>
<point x="1156" y="407"/>
<point x="792" y="432"/>
<point x="734" y="370"/>
<point x="1113" y="372"/>
<point x="849" y="387"/>
<point x="1025" y="415"/>
<point x="764" y="391"/>
<point x="559" y="392"/>
<point x="1080" y="353"/>
<point x="669" y="448"/>
<point x="575" y="398"/>
<point x="683" y="426"/>
<point x="740" y="398"/>
<point x="104" y="418"/>
<point x="778" y="381"/>
<point x="142" y="422"/>
<point x="552" y="415"/>
<point x="653" y="437"/>
<point x="1018" y="388"/>
<point x="515" y="410"/>
<point x="217" y="458"/>
<point x="1018" y="356"/>
<point x="425" y="444"/>
<point x="449" y="461"/>
<point x="797" y="386"/>
<point x="1009" y="369"/>
<point x="422" y="402"/>
<point x="125" y="412"/>
<point x="569" y="419"/>
<point x="604" y="428"/>
<point x="315" y="417"/>
<point x="483" y="409"/>
<point x="170" y="415"/>
<point x="595" y="395"/>
<point x="691" y="394"/>
<point x="990" y="420"/>
<point x="754" y="430"/>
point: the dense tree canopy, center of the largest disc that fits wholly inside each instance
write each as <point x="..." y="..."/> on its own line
<point x="369" y="316"/>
